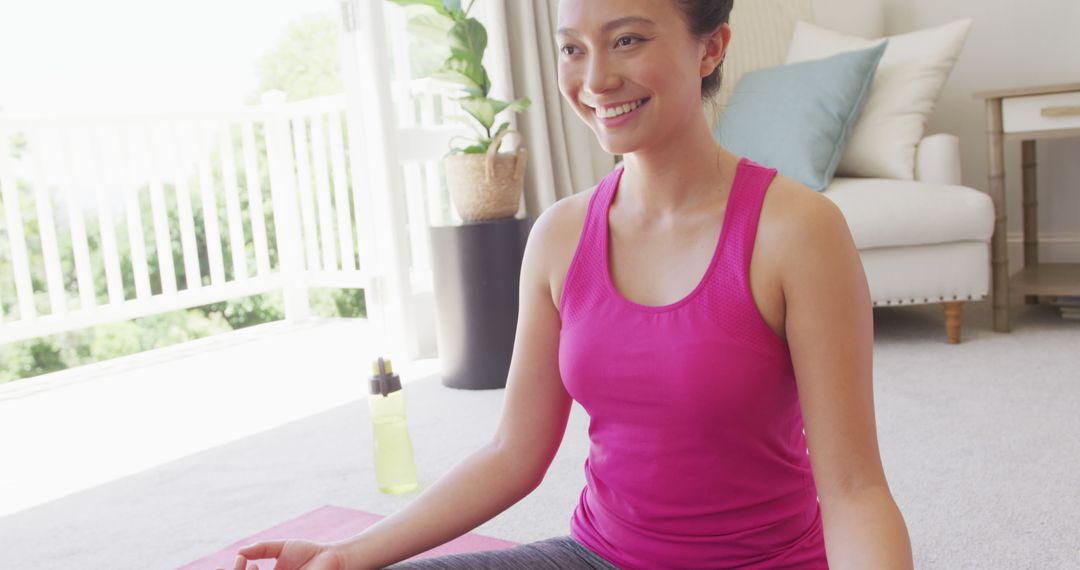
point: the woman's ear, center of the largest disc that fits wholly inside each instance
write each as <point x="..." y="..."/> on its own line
<point x="716" y="47"/>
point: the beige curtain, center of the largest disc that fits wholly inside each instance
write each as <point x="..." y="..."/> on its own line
<point x="564" y="155"/>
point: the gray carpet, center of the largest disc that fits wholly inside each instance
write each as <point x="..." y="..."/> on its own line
<point x="980" y="442"/>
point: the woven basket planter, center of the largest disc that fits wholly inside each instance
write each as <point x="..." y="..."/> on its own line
<point x="487" y="186"/>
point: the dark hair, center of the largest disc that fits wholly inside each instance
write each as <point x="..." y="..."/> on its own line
<point x="702" y="18"/>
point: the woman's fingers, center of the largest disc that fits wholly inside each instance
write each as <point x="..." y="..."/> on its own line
<point x="262" y="550"/>
<point x="241" y="564"/>
<point x="257" y="551"/>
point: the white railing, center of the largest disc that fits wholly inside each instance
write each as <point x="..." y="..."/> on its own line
<point x="88" y="178"/>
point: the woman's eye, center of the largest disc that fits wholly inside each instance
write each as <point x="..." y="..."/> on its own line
<point x="618" y="42"/>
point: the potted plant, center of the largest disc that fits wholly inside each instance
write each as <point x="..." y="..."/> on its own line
<point x="483" y="183"/>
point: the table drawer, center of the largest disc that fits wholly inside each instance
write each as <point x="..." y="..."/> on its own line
<point x="1041" y="112"/>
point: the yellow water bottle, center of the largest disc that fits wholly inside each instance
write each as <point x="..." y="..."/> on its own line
<point x="395" y="467"/>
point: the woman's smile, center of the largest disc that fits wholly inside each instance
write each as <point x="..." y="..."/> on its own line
<point x="614" y="117"/>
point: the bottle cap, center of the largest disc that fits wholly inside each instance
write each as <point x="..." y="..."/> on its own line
<point x="383" y="379"/>
<point x="375" y="367"/>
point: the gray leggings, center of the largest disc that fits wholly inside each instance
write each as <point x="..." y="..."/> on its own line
<point x="558" y="553"/>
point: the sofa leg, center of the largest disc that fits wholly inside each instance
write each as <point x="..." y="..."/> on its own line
<point x="952" y="320"/>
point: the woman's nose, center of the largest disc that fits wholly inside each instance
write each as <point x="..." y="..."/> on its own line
<point x="599" y="77"/>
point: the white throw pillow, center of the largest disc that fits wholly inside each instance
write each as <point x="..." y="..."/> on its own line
<point x="907" y="84"/>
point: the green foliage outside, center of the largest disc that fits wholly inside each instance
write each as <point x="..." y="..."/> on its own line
<point x="305" y="64"/>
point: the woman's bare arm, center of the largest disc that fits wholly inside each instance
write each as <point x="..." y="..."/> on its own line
<point x="504" y="471"/>
<point x="830" y="332"/>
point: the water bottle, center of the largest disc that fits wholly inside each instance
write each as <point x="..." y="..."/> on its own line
<point x="395" y="467"/>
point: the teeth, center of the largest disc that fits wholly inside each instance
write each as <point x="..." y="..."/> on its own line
<point x="616" y="111"/>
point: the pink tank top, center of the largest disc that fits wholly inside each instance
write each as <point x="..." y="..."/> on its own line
<point x="698" y="457"/>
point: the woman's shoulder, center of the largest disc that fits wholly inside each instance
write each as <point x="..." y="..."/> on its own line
<point x="794" y="221"/>
<point x="556" y="233"/>
<point x="562" y="222"/>
<point x="790" y="204"/>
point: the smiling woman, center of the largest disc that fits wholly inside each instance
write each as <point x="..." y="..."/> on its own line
<point x="644" y="42"/>
<point x="709" y="314"/>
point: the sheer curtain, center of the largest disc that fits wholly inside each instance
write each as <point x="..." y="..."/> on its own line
<point x="564" y="155"/>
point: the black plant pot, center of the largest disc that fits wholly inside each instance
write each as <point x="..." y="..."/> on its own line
<point x="476" y="268"/>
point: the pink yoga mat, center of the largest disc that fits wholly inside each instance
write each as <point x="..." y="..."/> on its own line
<point x="330" y="523"/>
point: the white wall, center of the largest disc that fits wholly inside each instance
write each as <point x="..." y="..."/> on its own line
<point x="1011" y="44"/>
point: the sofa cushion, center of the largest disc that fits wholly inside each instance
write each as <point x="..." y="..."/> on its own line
<point x="882" y="212"/>
<point x="797" y="117"/>
<point x="906" y="87"/>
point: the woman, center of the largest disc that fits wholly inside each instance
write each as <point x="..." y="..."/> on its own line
<point x="712" y="317"/>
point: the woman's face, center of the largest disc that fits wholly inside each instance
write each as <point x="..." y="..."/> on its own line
<point x="629" y="51"/>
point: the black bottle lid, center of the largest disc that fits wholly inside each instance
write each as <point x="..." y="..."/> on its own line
<point x="383" y="379"/>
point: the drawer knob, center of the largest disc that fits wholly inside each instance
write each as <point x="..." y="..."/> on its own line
<point x="1067" y="111"/>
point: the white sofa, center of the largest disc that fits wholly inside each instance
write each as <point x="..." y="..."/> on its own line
<point x="921" y="241"/>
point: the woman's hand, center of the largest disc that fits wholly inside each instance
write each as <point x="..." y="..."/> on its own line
<point x="291" y="555"/>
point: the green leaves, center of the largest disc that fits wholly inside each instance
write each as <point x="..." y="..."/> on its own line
<point x="479" y="148"/>
<point x="467" y="40"/>
<point x="431" y="28"/>
<point x="520" y="105"/>
<point x="485" y="142"/>
<point x="467" y="72"/>
<point x="482" y="108"/>
<point x="485" y="109"/>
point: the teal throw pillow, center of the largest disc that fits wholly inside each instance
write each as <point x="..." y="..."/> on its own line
<point x="796" y="118"/>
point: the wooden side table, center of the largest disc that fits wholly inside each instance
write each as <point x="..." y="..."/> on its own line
<point x="1026" y="114"/>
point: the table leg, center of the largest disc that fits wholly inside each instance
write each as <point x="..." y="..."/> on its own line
<point x="998" y="247"/>
<point x="1031" y="218"/>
